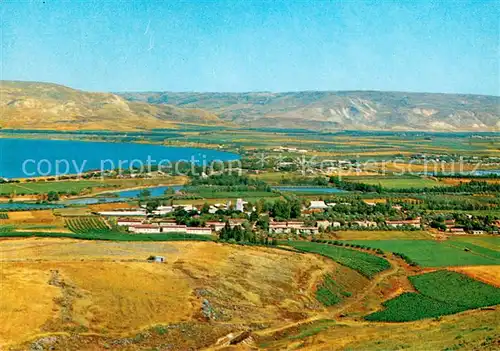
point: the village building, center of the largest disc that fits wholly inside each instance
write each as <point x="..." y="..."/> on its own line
<point x="144" y="229"/>
<point x="167" y="222"/>
<point x="409" y="222"/>
<point x="477" y="232"/>
<point x="323" y="224"/>
<point x="365" y="224"/>
<point x="199" y="230"/>
<point x="216" y="226"/>
<point x="174" y="229"/>
<point x="278" y="228"/>
<point x="127" y="222"/>
<point x="132" y="213"/>
<point x="317" y="205"/>
<point x="308" y="230"/>
<point x="456" y="230"/>
<point x="294" y="224"/>
<point x="233" y="222"/>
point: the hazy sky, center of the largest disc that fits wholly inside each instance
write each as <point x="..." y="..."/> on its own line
<point x="432" y="46"/>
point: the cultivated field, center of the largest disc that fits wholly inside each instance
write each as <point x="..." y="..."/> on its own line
<point x="427" y="253"/>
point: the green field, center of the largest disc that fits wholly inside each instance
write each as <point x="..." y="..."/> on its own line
<point x="394" y="182"/>
<point x="427" y="253"/>
<point x="45" y="187"/>
<point x="490" y="242"/>
<point x="89" y="224"/>
<point x="439" y="293"/>
<point x="111" y="236"/>
<point x="366" y="264"/>
<point x="4" y="215"/>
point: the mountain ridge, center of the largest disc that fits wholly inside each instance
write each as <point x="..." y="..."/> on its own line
<point x="36" y="105"/>
<point x="334" y="110"/>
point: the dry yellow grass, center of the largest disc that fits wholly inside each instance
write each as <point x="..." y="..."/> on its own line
<point x="109" y="289"/>
<point x="487" y="274"/>
<point x="43" y="217"/>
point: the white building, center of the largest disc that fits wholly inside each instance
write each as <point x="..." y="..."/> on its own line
<point x="144" y="229"/>
<point x="478" y="232"/>
<point x="174" y="229"/>
<point x="323" y="224"/>
<point x="216" y="226"/>
<point x="127" y="222"/>
<point x="278" y="228"/>
<point x="240" y="205"/>
<point x="308" y="230"/>
<point x="198" y="230"/>
<point x="315" y="205"/>
<point x="294" y="224"/>
<point x="136" y="213"/>
<point x="365" y="224"/>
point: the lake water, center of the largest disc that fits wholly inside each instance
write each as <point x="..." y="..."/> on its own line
<point x="22" y="158"/>
<point x="120" y="196"/>
<point x="305" y="189"/>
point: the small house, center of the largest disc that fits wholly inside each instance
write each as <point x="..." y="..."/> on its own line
<point x="317" y="205"/>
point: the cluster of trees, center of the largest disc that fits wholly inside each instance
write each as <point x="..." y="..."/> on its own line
<point x="468" y="222"/>
<point x="231" y="182"/>
<point x="315" y="181"/>
<point x="244" y="234"/>
<point x="473" y="187"/>
<point x="355" y="186"/>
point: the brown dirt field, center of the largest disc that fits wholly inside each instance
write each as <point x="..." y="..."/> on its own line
<point x="62" y="285"/>
<point x="111" y="206"/>
<point x="487" y="274"/>
<point x="456" y="181"/>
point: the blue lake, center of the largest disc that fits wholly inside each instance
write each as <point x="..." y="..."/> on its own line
<point x="23" y="158"/>
<point x="307" y="189"/>
<point x="120" y="195"/>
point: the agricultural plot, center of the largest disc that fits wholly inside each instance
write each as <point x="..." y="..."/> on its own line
<point x="4" y="215"/>
<point x="395" y="182"/>
<point x="439" y="293"/>
<point x="86" y="225"/>
<point x="490" y="242"/>
<point x="427" y="253"/>
<point x="366" y="264"/>
<point x="330" y="292"/>
<point x="6" y="228"/>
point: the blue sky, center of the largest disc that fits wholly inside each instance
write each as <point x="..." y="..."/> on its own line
<point x="431" y="46"/>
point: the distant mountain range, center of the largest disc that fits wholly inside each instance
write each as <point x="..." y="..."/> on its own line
<point x="354" y="110"/>
<point x="32" y="105"/>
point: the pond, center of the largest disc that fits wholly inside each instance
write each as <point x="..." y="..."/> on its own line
<point x="24" y="158"/>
